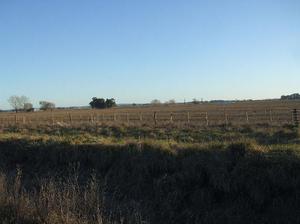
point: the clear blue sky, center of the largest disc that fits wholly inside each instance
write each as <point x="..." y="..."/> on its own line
<point x="68" y="51"/>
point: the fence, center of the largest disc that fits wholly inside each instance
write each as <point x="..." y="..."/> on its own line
<point x="201" y="118"/>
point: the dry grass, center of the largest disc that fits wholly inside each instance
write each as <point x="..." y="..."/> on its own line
<point x="239" y="176"/>
<point x="123" y="174"/>
<point x="56" y="202"/>
<point x="252" y="112"/>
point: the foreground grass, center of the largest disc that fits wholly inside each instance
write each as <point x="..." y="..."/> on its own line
<point x="89" y="177"/>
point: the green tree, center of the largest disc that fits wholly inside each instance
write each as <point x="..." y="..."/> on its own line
<point x="100" y="103"/>
<point x="110" y="103"/>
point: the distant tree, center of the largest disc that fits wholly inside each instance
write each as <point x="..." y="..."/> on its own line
<point x="172" y="101"/>
<point x="100" y="103"/>
<point x="295" y="96"/>
<point x="18" y="102"/>
<point x="28" y="107"/>
<point x="195" y="101"/>
<point x="45" y="105"/>
<point x="155" y="102"/>
<point x="110" y="103"/>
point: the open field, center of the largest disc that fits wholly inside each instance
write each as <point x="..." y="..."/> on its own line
<point x="126" y="174"/>
<point x="248" y="112"/>
<point x="66" y="167"/>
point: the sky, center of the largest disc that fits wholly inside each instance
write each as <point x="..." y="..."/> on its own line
<point x="68" y="51"/>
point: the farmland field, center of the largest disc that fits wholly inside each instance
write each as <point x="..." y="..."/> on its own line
<point x="69" y="166"/>
<point x="209" y="114"/>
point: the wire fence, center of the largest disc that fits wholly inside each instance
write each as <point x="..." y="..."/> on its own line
<point x="198" y="118"/>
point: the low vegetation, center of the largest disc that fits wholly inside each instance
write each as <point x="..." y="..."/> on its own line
<point x="123" y="174"/>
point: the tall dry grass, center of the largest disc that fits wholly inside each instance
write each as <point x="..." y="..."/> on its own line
<point x="230" y="179"/>
<point x="56" y="202"/>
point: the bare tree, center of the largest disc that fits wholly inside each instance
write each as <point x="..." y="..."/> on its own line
<point x="45" y="105"/>
<point x="172" y="101"/>
<point x="28" y="107"/>
<point x="18" y="102"/>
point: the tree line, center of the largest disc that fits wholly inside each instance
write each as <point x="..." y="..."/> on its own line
<point x="23" y="104"/>
<point x="295" y="96"/>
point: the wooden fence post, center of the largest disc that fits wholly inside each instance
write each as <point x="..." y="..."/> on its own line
<point x="188" y="117"/>
<point x="70" y="118"/>
<point x="91" y="118"/>
<point x="155" y="117"/>
<point x="226" y="118"/>
<point x="206" y="118"/>
<point x="141" y="117"/>
<point x="171" y="117"/>
<point x="247" y="117"/>
<point x="295" y="117"/>
<point x="52" y="118"/>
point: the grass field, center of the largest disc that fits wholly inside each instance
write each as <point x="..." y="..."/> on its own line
<point x="110" y="174"/>
<point x="249" y="112"/>
<point x="115" y="172"/>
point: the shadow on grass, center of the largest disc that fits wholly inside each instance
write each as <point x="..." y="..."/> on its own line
<point x="233" y="183"/>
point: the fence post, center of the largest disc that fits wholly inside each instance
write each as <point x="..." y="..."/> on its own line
<point x="155" y="117"/>
<point x="91" y="117"/>
<point x="95" y="118"/>
<point x="271" y="116"/>
<point x="70" y="118"/>
<point x="247" y="117"/>
<point x="206" y="118"/>
<point x="295" y="117"/>
<point x="52" y="118"/>
<point x="226" y="118"/>
<point x="141" y="117"/>
<point x="171" y="117"/>
<point x="115" y="117"/>
<point x="24" y="120"/>
<point x="188" y="117"/>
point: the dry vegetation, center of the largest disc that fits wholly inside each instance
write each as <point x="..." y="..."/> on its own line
<point x="249" y="112"/>
<point x="128" y="174"/>
<point x="114" y="172"/>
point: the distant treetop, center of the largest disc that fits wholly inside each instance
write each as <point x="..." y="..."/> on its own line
<point x="155" y="102"/>
<point x="45" y="105"/>
<point x="100" y="103"/>
<point x="295" y="96"/>
<point x="20" y="103"/>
